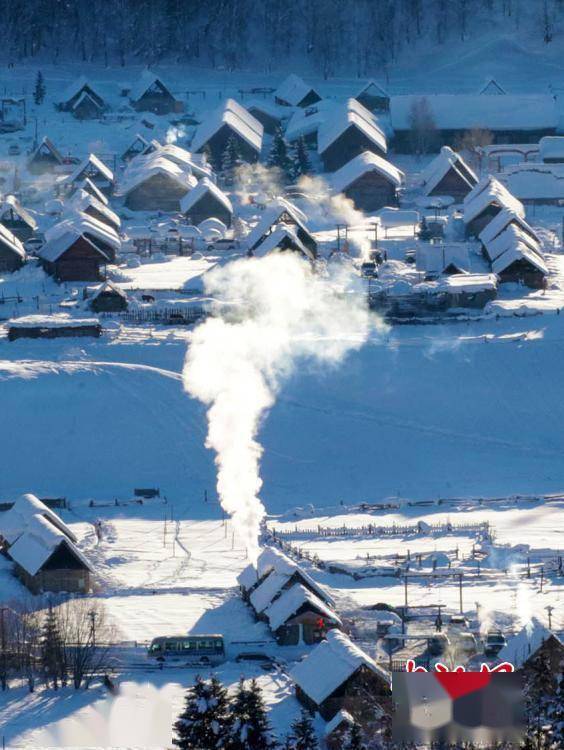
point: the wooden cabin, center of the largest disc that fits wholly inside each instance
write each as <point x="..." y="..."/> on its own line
<point x="109" y="298"/>
<point x="484" y="202"/>
<point x="79" y="90"/>
<point x="12" y="252"/>
<point x="45" y="158"/>
<point x="369" y="181"/>
<point x="338" y="676"/>
<point x="89" y="187"/>
<point x="337" y="731"/>
<point x="520" y="265"/>
<point x="150" y="94"/>
<point x="158" y="185"/>
<point x="16" y="218"/>
<point x="295" y="92"/>
<point x="205" y="201"/>
<point x="96" y="171"/>
<point x="299" y="616"/>
<point x="86" y="107"/>
<point x="351" y="131"/>
<point x="90" y="206"/>
<point x="231" y="120"/>
<point x="268" y="114"/>
<point x="138" y="146"/>
<point x="374" y="98"/>
<point x="448" y="175"/>
<point x="532" y="644"/>
<point x="280" y="211"/>
<point x="71" y="256"/>
<point x="52" y="327"/>
<point x="284" y="238"/>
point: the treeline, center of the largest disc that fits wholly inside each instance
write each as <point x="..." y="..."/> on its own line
<point x="59" y="646"/>
<point x="332" y="37"/>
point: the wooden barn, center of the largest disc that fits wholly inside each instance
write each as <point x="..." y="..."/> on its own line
<point x="100" y="233"/>
<point x="47" y="560"/>
<point x="448" y="175"/>
<point x="156" y="185"/>
<point x="508" y="119"/>
<point x="484" y="202"/>
<point x="12" y="252"/>
<point x="298" y="616"/>
<point x="150" y="94"/>
<point x="108" y="298"/>
<point x="280" y="211"/>
<point x="374" y="97"/>
<point x="349" y="132"/>
<point x="16" y="218"/>
<point x="295" y="92"/>
<point x="338" y="676"/>
<point x="533" y="643"/>
<point x="204" y="201"/>
<point x="70" y="256"/>
<point x="136" y="147"/>
<point x="45" y="158"/>
<point x="76" y="92"/>
<point x="52" y="327"/>
<point x="86" y="107"/>
<point x="369" y="181"/>
<point x="231" y="120"/>
<point x="96" y="171"/>
<point x="268" y="114"/>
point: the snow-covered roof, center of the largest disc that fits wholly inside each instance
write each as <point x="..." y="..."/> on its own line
<point x="99" y="166"/>
<point x="551" y="147"/>
<point x="230" y="113"/>
<point x="108" y="287"/>
<point x="271" y="215"/>
<point x="494" y="194"/>
<point x="528" y="640"/>
<point x="184" y="159"/>
<point x="204" y="187"/>
<point x="274" y="240"/>
<point x="144" y="82"/>
<point x="535" y="181"/>
<point x="60" y="243"/>
<point x="57" y="320"/>
<point x="519" y="252"/>
<point x="38" y="542"/>
<point x="47" y="145"/>
<point x="434" y="259"/>
<point x="330" y="664"/>
<point x="81" y="200"/>
<point x="15" y="521"/>
<point x="11" y="203"/>
<point x="140" y="172"/>
<point x="304" y="122"/>
<point x="373" y="89"/>
<point x="500" y="222"/>
<point x="269" y="108"/>
<point x="293" y="90"/>
<point x="511" y="236"/>
<point x="291" y="600"/>
<point x="275" y="581"/>
<point x="350" y="114"/>
<point x="361" y="165"/>
<point x="271" y="558"/>
<point x="76" y="87"/>
<point x="248" y="577"/>
<point x="469" y="283"/>
<point x="446" y="160"/>
<point x="491" y="86"/>
<point x="86" y="225"/>
<point x="7" y="239"/>
<point x="341" y="717"/>
<point x="85" y="97"/>
<point x="466" y="111"/>
<point x="89" y="187"/>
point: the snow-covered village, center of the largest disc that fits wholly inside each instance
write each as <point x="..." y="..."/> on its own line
<point x="281" y="355"/>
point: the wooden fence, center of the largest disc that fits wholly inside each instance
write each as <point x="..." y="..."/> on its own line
<point x="164" y="316"/>
<point x="382" y="531"/>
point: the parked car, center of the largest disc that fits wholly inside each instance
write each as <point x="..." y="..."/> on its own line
<point x="495" y="641"/>
<point x="438" y="644"/>
<point x="459" y="621"/>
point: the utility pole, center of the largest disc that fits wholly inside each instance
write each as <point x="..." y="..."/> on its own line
<point x="542" y="578"/>
<point x="93" y="614"/>
<point x="549" y="609"/>
<point x="4" y="675"/>
<point x="460" y="592"/>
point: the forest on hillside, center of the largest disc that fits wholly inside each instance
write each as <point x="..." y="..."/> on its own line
<point x="329" y="37"/>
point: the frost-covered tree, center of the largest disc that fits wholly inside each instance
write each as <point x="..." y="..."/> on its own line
<point x="555" y="716"/>
<point x="301" y="163"/>
<point x="205" y="721"/>
<point x="278" y="156"/>
<point x="40" y="90"/>
<point x="422" y="126"/>
<point x="52" y="660"/>
<point x="354" y="741"/>
<point x="251" y="728"/>
<point x="230" y="160"/>
<point x="303" y="735"/>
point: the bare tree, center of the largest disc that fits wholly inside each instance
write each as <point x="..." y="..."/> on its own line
<point x="422" y="126"/>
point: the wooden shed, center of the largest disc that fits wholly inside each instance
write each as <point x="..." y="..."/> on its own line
<point x="45" y="158"/>
<point x="337" y="676"/>
<point x="52" y="327"/>
<point x="374" y="97"/>
<point x="488" y="198"/>
<point x="70" y="256"/>
<point x="204" y="201"/>
<point x="109" y="298"/>
<point x="369" y="181"/>
<point x="150" y="94"/>
<point x="12" y="252"/>
<point x="157" y="185"/>
<point x="76" y="93"/>
<point x="349" y="132"/>
<point x="448" y="175"/>
<point x="299" y="616"/>
<point x="230" y="120"/>
<point x="16" y="218"/>
<point x="295" y="92"/>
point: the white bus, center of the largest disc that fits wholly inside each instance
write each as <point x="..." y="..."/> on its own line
<point x="190" y="649"/>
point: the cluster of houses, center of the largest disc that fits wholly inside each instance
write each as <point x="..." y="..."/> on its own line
<point x="43" y="549"/>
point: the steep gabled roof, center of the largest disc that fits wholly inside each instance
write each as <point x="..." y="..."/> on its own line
<point x="293" y="90"/>
<point x="372" y="88"/>
<point x="525" y="643"/>
<point x="47" y="145"/>
<point x="140" y="172"/>
<point x="350" y="114"/>
<point x="330" y="664"/>
<point x="203" y="188"/>
<point x="237" y="118"/>
<point x="272" y="215"/>
<point x="274" y="240"/>
<point x="106" y="287"/>
<point x="82" y="200"/>
<point x="443" y="163"/>
<point x="77" y="87"/>
<point x="277" y="578"/>
<point x="11" y="203"/>
<point x="494" y="193"/>
<point x="510" y="237"/>
<point x="291" y="600"/>
<point x="89" y="187"/>
<point x="85" y="225"/>
<point x="97" y="164"/>
<point x="145" y="81"/>
<point x="501" y="221"/>
<point x="52" y="250"/>
<point x="85" y="98"/>
<point x="11" y="242"/>
<point x="519" y="252"/>
<point x="492" y="87"/>
<point x="15" y="521"/>
<point x="361" y="165"/>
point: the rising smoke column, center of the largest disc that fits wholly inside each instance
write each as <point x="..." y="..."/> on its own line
<point x="273" y="315"/>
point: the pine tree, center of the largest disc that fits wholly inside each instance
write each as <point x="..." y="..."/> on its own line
<point x="303" y="734"/>
<point x="301" y="162"/>
<point x="355" y="739"/>
<point x="205" y="721"/>
<point x="555" y="716"/>
<point x="52" y="649"/>
<point x="278" y="156"/>
<point x="251" y="728"/>
<point x="39" y="90"/>
<point x="230" y="160"/>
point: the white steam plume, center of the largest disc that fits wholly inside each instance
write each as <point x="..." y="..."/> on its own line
<point x="237" y="362"/>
